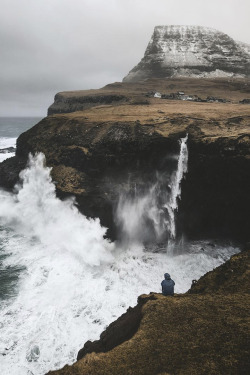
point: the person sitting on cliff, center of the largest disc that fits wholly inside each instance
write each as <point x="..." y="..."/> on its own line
<point x="167" y="285"/>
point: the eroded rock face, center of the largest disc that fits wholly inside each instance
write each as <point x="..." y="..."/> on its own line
<point x="191" y="51"/>
<point x="65" y="103"/>
<point x="99" y="152"/>
<point x="119" y="331"/>
<point x="218" y="173"/>
<point x="204" y="331"/>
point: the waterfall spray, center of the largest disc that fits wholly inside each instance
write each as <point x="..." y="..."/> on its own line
<point x="139" y="217"/>
<point x="149" y="217"/>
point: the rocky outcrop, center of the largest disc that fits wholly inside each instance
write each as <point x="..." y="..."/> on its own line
<point x="191" y="51"/>
<point x="123" y="329"/>
<point x="99" y="152"/>
<point x="204" y="331"/>
<point x="9" y="171"/>
<point x="229" y="278"/>
<point x="66" y="102"/>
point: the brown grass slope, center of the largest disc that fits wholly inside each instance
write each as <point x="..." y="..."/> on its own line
<point x="205" y="331"/>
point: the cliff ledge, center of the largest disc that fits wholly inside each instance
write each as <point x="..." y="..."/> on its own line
<point x="204" y="331"/>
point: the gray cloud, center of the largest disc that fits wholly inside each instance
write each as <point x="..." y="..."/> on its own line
<point x="48" y="46"/>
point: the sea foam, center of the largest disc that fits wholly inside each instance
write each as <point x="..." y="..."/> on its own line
<point x="74" y="282"/>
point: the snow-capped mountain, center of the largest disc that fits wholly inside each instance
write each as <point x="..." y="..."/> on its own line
<point x="191" y="51"/>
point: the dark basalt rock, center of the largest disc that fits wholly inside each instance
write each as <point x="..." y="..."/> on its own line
<point x="117" y="332"/>
<point x="245" y="101"/>
<point x="9" y="171"/>
<point x="218" y="173"/>
<point x="95" y="154"/>
<point x="102" y="163"/>
<point x="78" y="102"/>
<point x="7" y="150"/>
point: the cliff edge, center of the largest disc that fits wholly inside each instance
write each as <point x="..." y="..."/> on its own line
<point x="204" y="331"/>
<point x="104" y="150"/>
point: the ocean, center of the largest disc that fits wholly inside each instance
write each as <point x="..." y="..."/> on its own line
<point x="10" y="129"/>
<point x="61" y="282"/>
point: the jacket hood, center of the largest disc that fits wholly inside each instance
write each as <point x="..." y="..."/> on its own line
<point x="167" y="276"/>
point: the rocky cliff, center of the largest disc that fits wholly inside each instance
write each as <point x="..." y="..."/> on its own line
<point x="97" y="153"/>
<point x="78" y="101"/>
<point x="204" y="331"/>
<point x="191" y="51"/>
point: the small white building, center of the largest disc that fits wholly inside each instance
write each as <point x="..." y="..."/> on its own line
<point x="157" y="95"/>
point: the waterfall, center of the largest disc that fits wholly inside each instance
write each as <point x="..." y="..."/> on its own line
<point x="172" y="204"/>
<point x="148" y="215"/>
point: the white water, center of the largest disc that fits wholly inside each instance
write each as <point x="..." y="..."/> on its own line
<point x="75" y="283"/>
<point x="5" y="143"/>
<point x="10" y="129"/>
<point x="172" y="204"/>
<point x="142" y="217"/>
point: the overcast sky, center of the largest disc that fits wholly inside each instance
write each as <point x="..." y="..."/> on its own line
<point x="49" y="46"/>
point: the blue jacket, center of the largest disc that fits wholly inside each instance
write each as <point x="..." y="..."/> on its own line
<point x="167" y="285"/>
